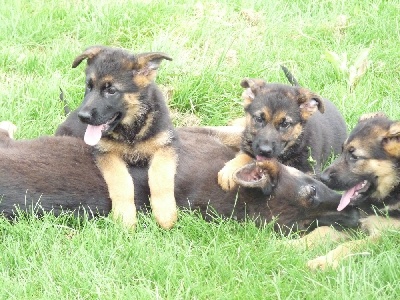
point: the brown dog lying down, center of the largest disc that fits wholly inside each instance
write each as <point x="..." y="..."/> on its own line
<point x="58" y="173"/>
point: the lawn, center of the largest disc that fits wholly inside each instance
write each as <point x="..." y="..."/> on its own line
<point x="346" y="51"/>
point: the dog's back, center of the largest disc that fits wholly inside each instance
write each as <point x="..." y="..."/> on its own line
<point x="325" y="132"/>
<point x="48" y="174"/>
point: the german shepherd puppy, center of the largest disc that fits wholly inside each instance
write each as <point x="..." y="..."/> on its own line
<point x="286" y="122"/>
<point x="128" y="122"/>
<point x="368" y="171"/>
<point x="55" y="178"/>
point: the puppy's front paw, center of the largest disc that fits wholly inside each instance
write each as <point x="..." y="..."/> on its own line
<point x="165" y="212"/>
<point x="126" y="213"/>
<point x="225" y="177"/>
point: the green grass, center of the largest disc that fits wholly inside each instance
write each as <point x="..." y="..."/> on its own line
<point x="214" y="45"/>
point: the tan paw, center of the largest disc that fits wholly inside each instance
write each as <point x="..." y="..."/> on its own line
<point x="165" y="212"/>
<point x="126" y="213"/>
<point x="225" y="177"/>
<point x="9" y="127"/>
<point x="322" y="263"/>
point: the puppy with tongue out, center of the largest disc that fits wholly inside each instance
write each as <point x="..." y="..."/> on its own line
<point x="128" y="123"/>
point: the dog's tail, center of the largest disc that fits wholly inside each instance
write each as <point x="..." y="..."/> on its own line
<point x="67" y="110"/>
<point x="290" y="76"/>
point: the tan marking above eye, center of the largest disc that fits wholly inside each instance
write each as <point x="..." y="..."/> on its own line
<point x="292" y="134"/>
<point x="266" y="113"/>
<point x="279" y="117"/>
<point x="91" y="77"/>
<point x="107" y="79"/>
<point x="358" y="147"/>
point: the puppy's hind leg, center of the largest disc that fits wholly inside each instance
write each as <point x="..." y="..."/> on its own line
<point x="120" y="187"/>
<point x="318" y="236"/>
<point x="374" y="225"/>
<point x="162" y="171"/>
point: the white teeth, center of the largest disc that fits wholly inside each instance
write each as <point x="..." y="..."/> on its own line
<point x="364" y="183"/>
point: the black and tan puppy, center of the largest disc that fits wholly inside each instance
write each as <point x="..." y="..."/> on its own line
<point x="368" y="171"/>
<point x="286" y="122"/>
<point x="51" y="174"/>
<point x="128" y="122"/>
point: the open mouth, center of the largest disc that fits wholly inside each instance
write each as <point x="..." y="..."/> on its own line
<point x="353" y="194"/>
<point x="93" y="133"/>
<point x="110" y="124"/>
<point x="251" y="175"/>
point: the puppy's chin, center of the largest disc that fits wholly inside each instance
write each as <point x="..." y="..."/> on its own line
<point x="263" y="158"/>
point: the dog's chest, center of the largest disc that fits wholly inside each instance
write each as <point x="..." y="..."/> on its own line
<point x="139" y="151"/>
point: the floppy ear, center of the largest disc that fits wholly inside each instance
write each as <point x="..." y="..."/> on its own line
<point x="146" y="64"/>
<point x="368" y="116"/>
<point x="88" y="54"/>
<point x="391" y="143"/>
<point x="309" y="103"/>
<point x="263" y="175"/>
<point x="252" y="88"/>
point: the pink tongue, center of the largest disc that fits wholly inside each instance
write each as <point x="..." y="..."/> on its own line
<point x="346" y="197"/>
<point x="93" y="134"/>
<point x="345" y="200"/>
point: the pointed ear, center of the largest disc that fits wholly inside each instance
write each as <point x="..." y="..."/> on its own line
<point x="252" y="88"/>
<point x="147" y="64"/>
<point x="88" y="54"/>
<point x="391" y="143"/>
<point x="263" y="175"/>
<point x="368" y="116"/>
<point x="309" y="103"/>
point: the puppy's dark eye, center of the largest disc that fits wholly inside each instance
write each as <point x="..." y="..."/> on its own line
<point x="284" y="124"/>
<point x="89" y="85"/>
<point x="353" y="157"/>
<point x="109" y="89"/>
<point x="258" y="119"/>
<point x="313" y="191"/>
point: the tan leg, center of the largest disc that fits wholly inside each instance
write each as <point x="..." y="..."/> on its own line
<point x="373" y="224"/>
<point x="318" y="236"/>
<point x="225" y="176"/>
<point x="162" y="171"/>
<point x="332" y="258"/>
<point x="120" y="187"/>
<point x="230" y="136"/>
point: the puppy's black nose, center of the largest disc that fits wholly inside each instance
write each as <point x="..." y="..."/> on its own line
<point x="326" y="176"/>
<point x="265" y="150"/>
<point x="85" y="116"/>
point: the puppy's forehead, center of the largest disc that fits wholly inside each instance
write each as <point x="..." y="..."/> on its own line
<point x="365" y="139"/>
<point x="110" y="63"/>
